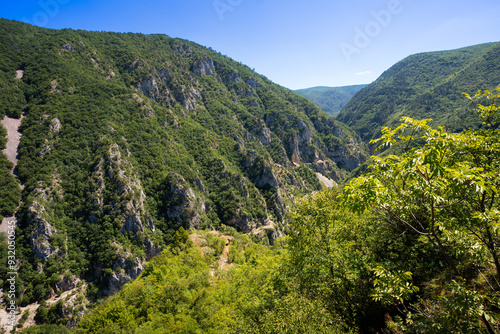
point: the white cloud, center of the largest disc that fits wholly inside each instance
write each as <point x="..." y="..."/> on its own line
<point x="364" y="73"/>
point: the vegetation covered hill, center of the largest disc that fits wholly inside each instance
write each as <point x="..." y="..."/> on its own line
<point x="128" y="137"/>
<point x="410" y="247"/>
<point x="426" y="85"/>
<point x="330" y="99"/>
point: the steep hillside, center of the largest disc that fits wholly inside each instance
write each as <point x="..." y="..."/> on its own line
<point x="128" y="137"/>
<point x="330" y="99"/>
<point x="426" y="85"/>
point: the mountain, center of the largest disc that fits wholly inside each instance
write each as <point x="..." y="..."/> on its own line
<point x="425" y="85"/>
<point x="128" y="137"/>
<point x="330" y="99"/>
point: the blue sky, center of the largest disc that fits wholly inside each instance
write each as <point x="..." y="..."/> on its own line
<point x="296" y="44"/>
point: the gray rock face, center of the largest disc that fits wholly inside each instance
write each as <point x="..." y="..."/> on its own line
<point x="265" y="138"/>
<point x="253" y="83"/>
<point x="67" y="284"/>
<point x="327" y="168"/>
<point x="261" y="174"/>
<point x="39" y="240"/>
<point x="347" y="155"/>
<point x="41" y="230"/>
<point x="149" y="87"/>
<point x="55" y="125"/>
<point x="205" y="67"/>
<point x="68" y="47"/>
<point x="305" y="131"/>
<point x="97" y="199"/>
<point x="151" y="249"/>
<point x="260" y="133"/>
<point x="164" y="75"/>
<point x="187" y="98"/>
<point x="46" y="149"/>
<point x="116" y="173"/>
<point x="184" y="50"/>
<point x="242" y="224"/>
<point x="346" y="158"/>
<point x="181" y="203"/>
<point x="127" y="182"/>
<point x="125" y="269"/>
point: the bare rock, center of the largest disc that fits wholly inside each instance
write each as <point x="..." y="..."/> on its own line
<point x="205" y="67"/>
<point x="130" y="184"/>
<point x="68" y="47"/>
<point x="67" y="284"/>
<point x="45" y="148"/>
<point x="181" y="203"/>
<point x="55" y="125"/>
<point x="19" y="74"/>
<point x="252" y="83"/>
<point x="41" y="231"/>
<point x="187" y="97"/>
<point x="164" y="75"/>
<point x="305" y="130"/>
<point x="126" y="268"/>
<point x="149" y="87"/>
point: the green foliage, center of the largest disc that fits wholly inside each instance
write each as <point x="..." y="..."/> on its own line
<point x="445" y="194"/>
<point x="425" y="85"/>
<point x="3" y="137"/>
<point x="296" y="314"/>
<point x="330" y="253"/>
<point x="391" y="288"/>
<point x="459" y="311"/>
<point x="53" y="329"/>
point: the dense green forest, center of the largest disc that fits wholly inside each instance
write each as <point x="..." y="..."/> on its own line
<point x="425" y="85"/>
<point x="128" y="137"/>
<point x="410" y="247"/>
<point x="330" y="99"/>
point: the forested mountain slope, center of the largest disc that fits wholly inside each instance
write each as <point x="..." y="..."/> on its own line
<point x="330" y="99"/>
<point x="128" y="137"/>
<point x="426" y="85"/>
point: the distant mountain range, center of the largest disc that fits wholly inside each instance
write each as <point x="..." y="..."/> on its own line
<point x="330" y="99"/>
<point x="425" y="85"/>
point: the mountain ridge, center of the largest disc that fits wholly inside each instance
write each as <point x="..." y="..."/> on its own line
<point x="330" y="99"/>
<point x="425" y="85"/>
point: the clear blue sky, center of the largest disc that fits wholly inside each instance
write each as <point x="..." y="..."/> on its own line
<point x="296" y="44"/>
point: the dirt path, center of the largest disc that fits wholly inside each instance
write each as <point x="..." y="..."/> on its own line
<point x="223" y="265"/>
<point x="224" y="257"/>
